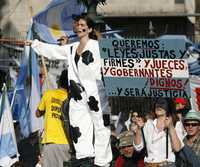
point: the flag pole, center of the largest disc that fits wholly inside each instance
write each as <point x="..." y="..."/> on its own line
<point x="12" y="41"/>
<point x="45" y="72"/>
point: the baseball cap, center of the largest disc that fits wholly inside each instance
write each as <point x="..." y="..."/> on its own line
<point x="126" y="139"/>
<point x="192" y="115"/>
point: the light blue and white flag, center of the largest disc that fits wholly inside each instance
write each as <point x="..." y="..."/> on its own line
<point x="8" y="146"/>
<point x="56" y="20"/>
<point x="35" y="94"/>
<point x="21" y="95"/>
<point x="27" y="92"/>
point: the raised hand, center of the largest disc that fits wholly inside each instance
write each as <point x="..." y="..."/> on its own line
<point x="28" y="42"/>
<point x="138" y="125"/>
<point x="168" y="122"/>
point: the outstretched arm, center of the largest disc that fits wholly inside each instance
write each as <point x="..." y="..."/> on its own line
<point x="50" y="51"/>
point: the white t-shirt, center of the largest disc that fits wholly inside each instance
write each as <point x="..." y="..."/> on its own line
<point x="156" y="144"/>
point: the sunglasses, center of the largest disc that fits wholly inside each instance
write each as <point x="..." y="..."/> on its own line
<point x="191" y="124"/>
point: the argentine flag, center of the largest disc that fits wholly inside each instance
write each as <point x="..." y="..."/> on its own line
<point x="35" y="94"/>
<point x="27" y="92"/>
<point x="8" y="146"/>
<point x="56" y="20"/>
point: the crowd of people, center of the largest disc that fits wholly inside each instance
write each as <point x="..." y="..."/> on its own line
<point x="75" y="133"/>
<point x="168" y="137"/>
<point x="159" y="142"/>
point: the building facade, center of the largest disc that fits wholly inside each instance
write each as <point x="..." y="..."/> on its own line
<point x="15" y="19"/>
<point x="139" y="18"/>
<point x="142" y="18"/>
<point x="149" y="19"/>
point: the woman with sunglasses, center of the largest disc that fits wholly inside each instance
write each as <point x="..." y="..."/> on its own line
<point x="88" y="100"/>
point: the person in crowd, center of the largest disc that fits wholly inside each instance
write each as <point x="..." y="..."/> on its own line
<point x="189" y="154"/>
<point x="88" y="99"/>
<point x="181" y="110"/>
<point x="135" y="115"/>
<point x="128" y="156"/>
<point x="160" y="137"/>
<point x="126" y="150"/>
<point x="114" y="143"/>
<point x="54" y="140"/>
<point x="181" y="103"/>
<point x="29" y="149"/>
<point x="138" y="156"/>
<point x="192" y="127"/>
<point x="132" y="119"/>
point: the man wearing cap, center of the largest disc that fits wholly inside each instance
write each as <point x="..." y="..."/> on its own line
<point x="192" y="127"/>
<point x="128" y="156"/>
<point x="126" y="150"/>
<point x="189" y="155"/>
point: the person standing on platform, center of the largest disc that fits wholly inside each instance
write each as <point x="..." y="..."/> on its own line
<point x="88" y="99"/>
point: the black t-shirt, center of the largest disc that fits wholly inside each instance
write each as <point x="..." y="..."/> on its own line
<point x="76" y="58"/>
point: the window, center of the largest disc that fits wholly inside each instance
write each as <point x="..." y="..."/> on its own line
<point x="179" y="1"/>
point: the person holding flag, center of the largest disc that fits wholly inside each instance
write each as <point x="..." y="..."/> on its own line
<point x="88" y="99"/>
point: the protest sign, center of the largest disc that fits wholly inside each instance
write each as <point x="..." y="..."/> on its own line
<point x="145" y="67"/>
<point x="54" y="68"/>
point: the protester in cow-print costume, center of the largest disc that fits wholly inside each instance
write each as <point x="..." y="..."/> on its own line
<point x="88" y="100"/>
